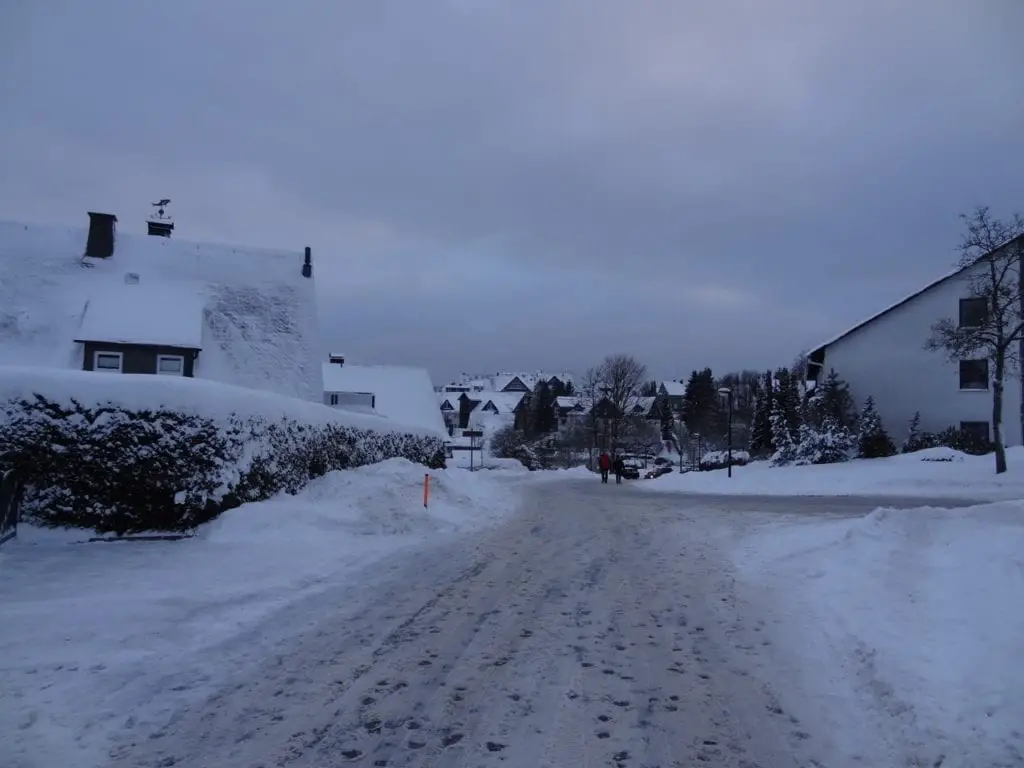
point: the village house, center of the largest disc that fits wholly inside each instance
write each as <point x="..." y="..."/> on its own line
<point x="111" y="303"/>
<point x="885" y="357"/>
<point x="402" y="394"/>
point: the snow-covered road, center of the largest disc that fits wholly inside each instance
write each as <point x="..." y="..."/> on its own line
<point x="599" y="626"/>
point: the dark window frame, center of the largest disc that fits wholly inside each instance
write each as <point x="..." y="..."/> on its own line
<point x="965" y="383"/>
<point x="974" y="428"/>
<point x="968" y="316"/>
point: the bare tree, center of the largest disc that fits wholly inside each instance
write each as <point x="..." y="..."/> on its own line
<point x="588" y="390"/>
<point x="621" y="378"/>
<point x="991" y="253"/>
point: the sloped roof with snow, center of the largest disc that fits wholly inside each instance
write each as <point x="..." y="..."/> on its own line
<point x="403" y="394"/>
<point x="505" y="402"/>
<point x="674" y="388"/>
<point x="169" y="315"/>
<point x="259" y="326"/>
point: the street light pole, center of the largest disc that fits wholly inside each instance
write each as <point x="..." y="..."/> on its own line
<point x="727" y="392"/>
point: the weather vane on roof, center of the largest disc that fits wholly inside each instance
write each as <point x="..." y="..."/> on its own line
<point x="159" y="223"/>
<point x="160" y="205"/>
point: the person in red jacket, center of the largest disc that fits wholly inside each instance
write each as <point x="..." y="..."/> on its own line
<point x="604" y="463"/>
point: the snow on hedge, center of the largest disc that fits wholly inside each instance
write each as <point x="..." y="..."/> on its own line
<point x="124" y="453"/>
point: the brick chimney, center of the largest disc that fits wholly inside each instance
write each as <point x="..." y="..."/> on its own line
<point x="100" y="244"/>
<point x="307" y="265"/>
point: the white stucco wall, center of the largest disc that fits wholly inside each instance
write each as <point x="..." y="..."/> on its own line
<point x="887" y="360"/>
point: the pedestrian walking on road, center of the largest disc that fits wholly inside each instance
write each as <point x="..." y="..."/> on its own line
<point x="604" y="463"/>
<point x="619" y="467"/>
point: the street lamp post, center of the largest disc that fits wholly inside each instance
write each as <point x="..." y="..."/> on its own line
<point x="727" y="393"/>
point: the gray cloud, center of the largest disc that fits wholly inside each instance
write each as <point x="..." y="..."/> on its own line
<point x="535" y="184"/>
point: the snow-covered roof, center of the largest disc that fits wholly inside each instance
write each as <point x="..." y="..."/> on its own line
<point x="674" y="388"/>
<point x="644" y="404"/>
<point x="505" y="402"/>
<point x="567" y="402"/>
<point x="402" y="394"/>
<point x="502" y="380"/>
<point x="259" y="321"/>
<point x="169" y="315"/>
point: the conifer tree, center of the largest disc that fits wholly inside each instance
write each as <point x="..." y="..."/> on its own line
<point x="761" y="443"/>
<point x="918" y="440"/>
<point x="783" y="437"/>
<point x="873" y="442"/>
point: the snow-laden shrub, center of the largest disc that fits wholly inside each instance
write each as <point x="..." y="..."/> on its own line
<point x="832" y="443"/>
<point x="118" y="469"/>
<point x="720" y="460"/>
<point x="965" y="442"/>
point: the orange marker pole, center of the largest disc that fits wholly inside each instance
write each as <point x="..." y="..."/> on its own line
<point x="426" y="489"/>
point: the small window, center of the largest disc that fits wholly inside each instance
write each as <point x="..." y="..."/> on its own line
<point x="976" y="429"/>
<point x="108" y="361"/>
<point x="334" y="399"/>
<point x="170" y="365"/>
<point x="974" y="374"/>
<point x="973" y="312"/>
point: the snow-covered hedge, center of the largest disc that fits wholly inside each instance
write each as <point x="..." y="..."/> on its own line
<point x="130" y="453"/>
<point x="720" y="460"/>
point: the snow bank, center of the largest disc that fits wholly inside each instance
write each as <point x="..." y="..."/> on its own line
<point x="935" y="472"/>
<point x="91" y="632"/>
<point x="901" y="632"/>
<point x="384" y="498"/>
<point x="190" y="396"/>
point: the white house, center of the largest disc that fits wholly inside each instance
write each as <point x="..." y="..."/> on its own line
<point x="885" y="357"/>
<point x="402" y="394"/>
<point x="98" y="300"/>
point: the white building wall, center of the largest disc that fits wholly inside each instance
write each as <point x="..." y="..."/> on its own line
<point x="887" y="360"/>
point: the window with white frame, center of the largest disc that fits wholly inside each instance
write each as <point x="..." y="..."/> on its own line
<point x="334" y="399"/>
<point x="108" y="361"/>
<point x="170" y="365"/>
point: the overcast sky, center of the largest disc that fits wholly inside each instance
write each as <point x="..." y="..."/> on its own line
<point x="534" y="184"/>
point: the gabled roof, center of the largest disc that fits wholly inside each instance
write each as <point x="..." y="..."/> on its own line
<point x="820" y="349"/>
<point x="674" y="388"/>
<point x="644" y="404"/>
<point x="505" y="402"/>
<point x="502" y="380"/>
<point x="259" y="320"/>
<point x="403" y="394"/>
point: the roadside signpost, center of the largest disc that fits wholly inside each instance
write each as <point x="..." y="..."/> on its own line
<point x="474" y="435"/>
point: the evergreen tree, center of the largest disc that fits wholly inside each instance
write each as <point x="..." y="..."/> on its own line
<point x="542" y="419"/>
<point x="918" y="440"/>
<point x="832" y="398"/>
<point x="830" y="443"/>
<point x="568" y="389"/>
<point x="787" y="394"/>
<point x="650" y="389"/>
<point x="701" y="406"/>
<point x="783" y="437"/>
<point x="665" y="416"/>
<point x="761" y="443"/>
<point x="873" y="442"/>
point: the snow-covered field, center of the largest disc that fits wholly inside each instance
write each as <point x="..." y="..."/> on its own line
<point x="87" y="630"/>
<point x="900" y="634"/>
<point x="935" y="472"/>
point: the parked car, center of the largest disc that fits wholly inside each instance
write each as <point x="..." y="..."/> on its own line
<point x="658" y="471"/>
<point x="630" y="471"/>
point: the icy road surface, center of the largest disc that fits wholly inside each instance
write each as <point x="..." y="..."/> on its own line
<point x="598" y="627"/>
